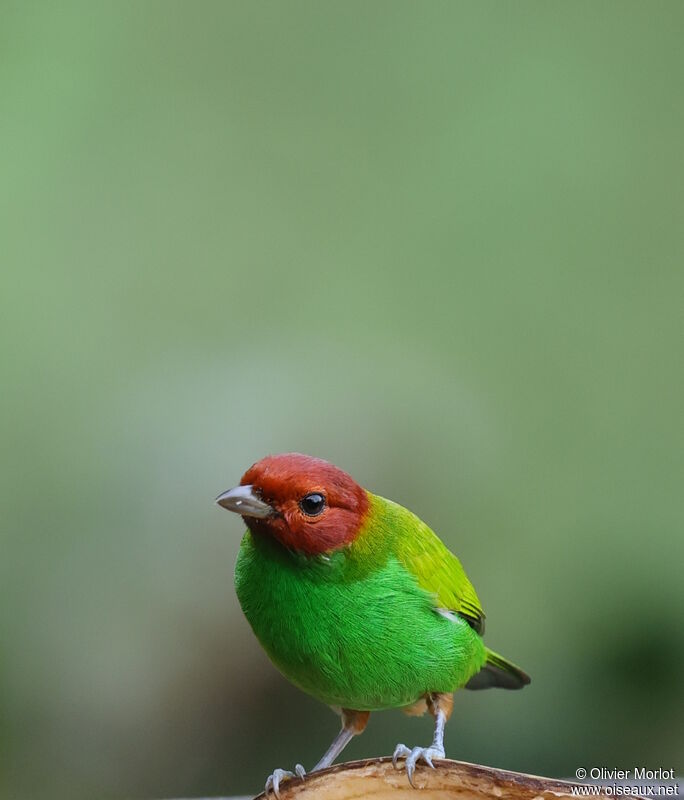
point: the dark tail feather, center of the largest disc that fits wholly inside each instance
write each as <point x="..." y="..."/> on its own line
<point x="498" y="672"/>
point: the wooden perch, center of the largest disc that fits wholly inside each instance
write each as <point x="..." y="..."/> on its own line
<point x="377" y="778"/>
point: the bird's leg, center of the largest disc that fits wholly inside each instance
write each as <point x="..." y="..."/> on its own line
<point x="353" y="723"/>
<point x="440" y="706"/>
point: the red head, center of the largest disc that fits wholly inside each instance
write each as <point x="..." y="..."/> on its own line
<point x="305" y="503"/>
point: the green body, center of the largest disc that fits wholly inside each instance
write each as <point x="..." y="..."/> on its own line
<point x="359" y="628"/>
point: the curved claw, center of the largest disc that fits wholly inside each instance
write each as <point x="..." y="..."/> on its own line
<point x="425" y="754"/>
<point x="278" y="775"/>
<point x="400" y="751"/>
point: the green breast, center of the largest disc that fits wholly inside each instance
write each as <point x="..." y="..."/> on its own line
<point x="352" y="635"/>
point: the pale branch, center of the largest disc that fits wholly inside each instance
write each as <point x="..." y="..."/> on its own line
<point x="378" y="779"/>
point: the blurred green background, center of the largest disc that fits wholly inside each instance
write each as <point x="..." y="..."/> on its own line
<point x="439" y="244"/>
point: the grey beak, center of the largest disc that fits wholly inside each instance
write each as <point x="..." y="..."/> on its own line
<point x="243" y="501"/>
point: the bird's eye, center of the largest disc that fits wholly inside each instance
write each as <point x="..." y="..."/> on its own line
<point x="312" y="504"/>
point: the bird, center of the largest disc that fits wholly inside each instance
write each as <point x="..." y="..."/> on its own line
<point x="357" y="602"/>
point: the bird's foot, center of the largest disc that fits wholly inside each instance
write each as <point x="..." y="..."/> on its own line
<point x="278" y="775"/>
<point x="412" y="757"/>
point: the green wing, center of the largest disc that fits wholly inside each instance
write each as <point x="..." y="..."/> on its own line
<point x="436" y="568"/>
